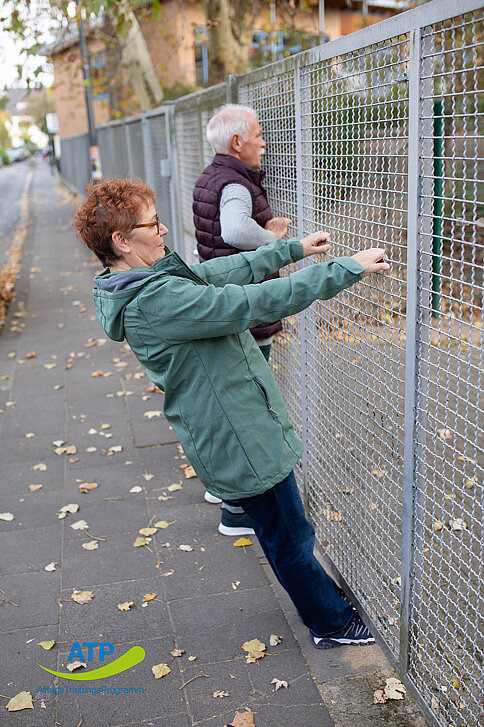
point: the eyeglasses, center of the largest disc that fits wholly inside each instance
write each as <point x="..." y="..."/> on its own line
<point x="150" y="224"/>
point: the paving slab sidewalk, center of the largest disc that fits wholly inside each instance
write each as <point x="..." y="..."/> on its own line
<point x="64" y="384"/>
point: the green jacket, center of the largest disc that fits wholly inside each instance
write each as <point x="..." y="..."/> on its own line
<point x="188" y="327"/>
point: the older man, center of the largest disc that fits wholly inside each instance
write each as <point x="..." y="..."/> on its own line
<point x="231" y="214"/>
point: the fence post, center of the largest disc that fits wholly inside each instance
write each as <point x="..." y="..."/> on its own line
<point x="147" y="151"/>
<point x="127" y="146"/>
<point x="175" y="203"/>
<point x="302" y="314"/>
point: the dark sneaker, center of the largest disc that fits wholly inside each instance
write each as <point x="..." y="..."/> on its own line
<point x="355" y="633"/>
<point x="235" y="523"/>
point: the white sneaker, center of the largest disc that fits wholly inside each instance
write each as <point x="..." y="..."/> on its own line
<point x="211" y="498"/>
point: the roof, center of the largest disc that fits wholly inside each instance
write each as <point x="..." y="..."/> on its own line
<point x="18" y="98"/>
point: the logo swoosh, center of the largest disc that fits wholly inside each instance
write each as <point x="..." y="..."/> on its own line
<point x="126" y="661"/>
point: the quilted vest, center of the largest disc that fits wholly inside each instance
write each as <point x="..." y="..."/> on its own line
<point x="226" y="169"/>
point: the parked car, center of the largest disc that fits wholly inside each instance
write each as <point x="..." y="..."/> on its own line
<point x="18" y="154"/>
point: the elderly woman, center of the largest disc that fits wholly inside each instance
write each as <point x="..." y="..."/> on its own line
<point x="188" y="327"/>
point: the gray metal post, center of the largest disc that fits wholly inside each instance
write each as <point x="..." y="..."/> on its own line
<point x="147" y="150"/>
<point x="175" y="202"/>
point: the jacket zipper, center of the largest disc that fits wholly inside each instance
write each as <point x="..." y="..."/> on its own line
<point x="262" y="390"/>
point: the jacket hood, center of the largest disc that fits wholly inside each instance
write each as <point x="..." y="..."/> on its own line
<point x="112" y="293"/>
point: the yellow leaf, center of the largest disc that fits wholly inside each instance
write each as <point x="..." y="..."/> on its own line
<point x="437" y="526"/>
<point x="82" y="597"/>
<point x="160" y="670"/>
<point x="126" y="606"/>
<point x="254" y="645"/>
<point x="34" y="488"/>
<point x="152" y="414"/>
<point x="148" y="531"/>
<point x="190" y="472"/>
<point x="41" y="467"/>
<point x="139" y="542"/>
<point x="149" y="597"/>
<point x="163" y="524"/>
<point x="22" y="700"/>
<point x="86" y="486"/>
<point x="96" y="373"/>
<point x="241" y="542"/>
<point x="174" y="488"/>
<point x="47" y="645"/>
<point x="91" y="545"/>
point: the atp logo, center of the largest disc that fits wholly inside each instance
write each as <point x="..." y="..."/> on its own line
<point x="133" y="656"/>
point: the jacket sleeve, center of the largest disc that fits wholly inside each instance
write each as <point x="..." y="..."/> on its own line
<point x="179" y="310"/>
<point x="250" y="266"/>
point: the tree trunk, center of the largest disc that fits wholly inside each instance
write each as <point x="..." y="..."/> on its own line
<point x="137" y="61"/>
<point x="229" y="30"/>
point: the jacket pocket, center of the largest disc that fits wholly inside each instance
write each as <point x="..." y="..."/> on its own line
<point x="263" y="391"/>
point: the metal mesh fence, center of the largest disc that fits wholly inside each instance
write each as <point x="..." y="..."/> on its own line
<point x="74" y="161"/>
<point x="377" y="138"/>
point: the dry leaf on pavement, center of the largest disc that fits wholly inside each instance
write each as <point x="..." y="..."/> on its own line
<point x="152" y="414"/>
<point x="82" y="597"/>
<point x="126" y="606"/>
<point x="275" y="640"/>
<point x="91" y="545"/>
<point x="149" y="597"/>
<point x="279" y="683"/>
<point x="75" y="665"/>
<point x="177" y="652"/>
<point x="174" y="487"/>
<point x="148" y="531"/>
<point x="160" y="670"/>
<point x="136" y="489"/>
<point x="22" y="700"/>
<point x="34" y="488"/>
<point x="147" y="476"/>
<point x="255" y="649"/>
<point x="8" y="516"/>
<point x="242" y="719"/>
<point x="47" y="645"/>
<point x="86" y="486"/>
<point x="186" y="548"/>
<point x="140" y="541"/>
<point x="40" y="466"/>
<point x="50" y="567"/>
<point x="80" y="525"/>
<point x="220" y="694"/>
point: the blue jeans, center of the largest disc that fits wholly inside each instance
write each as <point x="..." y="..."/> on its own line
<point x="287" y="539"/>
<point x="266" y="351"/>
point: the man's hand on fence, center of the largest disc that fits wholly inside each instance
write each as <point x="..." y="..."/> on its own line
<point x="373" y="260"/>
<point x="278" y="225"/>
<point x="315" y="243"/>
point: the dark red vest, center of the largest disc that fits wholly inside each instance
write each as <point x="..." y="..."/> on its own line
<point x="223" y="170"/>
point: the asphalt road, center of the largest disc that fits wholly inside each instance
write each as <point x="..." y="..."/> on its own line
<point x="12" y="181"/>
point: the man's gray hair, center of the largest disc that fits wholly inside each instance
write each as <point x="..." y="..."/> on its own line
<point x="230" y="120"/>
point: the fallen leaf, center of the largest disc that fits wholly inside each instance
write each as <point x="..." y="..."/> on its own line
<point x="147" y="476"/>
<point x="168" y="573"/>
<point x="34" y="488"/>
<point x="91" y="449"/>
<point x="139" y="542"/>
<point x="82" y="597"/>
<point x="98" y="372"/>
<point x="29" y="435"/>
<point x="49" y="366"/>
<point x="149" y="597"/>
<point x="434" y="703"/>
<point x="41" y="467"/>
<point x="91" y="545"/>
<point x="235" y="585"/>
<point x="242" y="719"/>
<point x="32" y="354"/>
<point x="22" y="700"/>
<point x="470" y="482"/>
<point x="174" y="488"/>
<point x="8" y="516"/>
<point x="186" y="548"/>
<point x="80" y="525"/>
<point x="47" y="645"/>
<point x="379" y="697"/>
<point x="86" y="486"/>
<point x="43" y="705"/>
<point x="126" y="606"/>
<point x="160" y="670"/>
<point x="192" y="658"/>
<point x="148" y="531"/>
<point x="152" y="414"/>
<point x="190" y="472"/>
<point x="50" y="567"/>
<point x="177" y="652"/>
<point x="275" y="640"/>
<point x="75" y="665"/>
<point x="116" y="448"/>
<point x="437" y="526"/>
<point x="72" y="508"/>
<point x="279" y="684"/>
<point x="136" y="489"/>
<point x="444" y="433"/>
<point x="255" y="649"/>
<point x="394" y="689"/>
<point x="68" y="449"/>
<point x="163" y="524"/>
<point x="220" y="694"/>
<point x="241" y="542"/>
